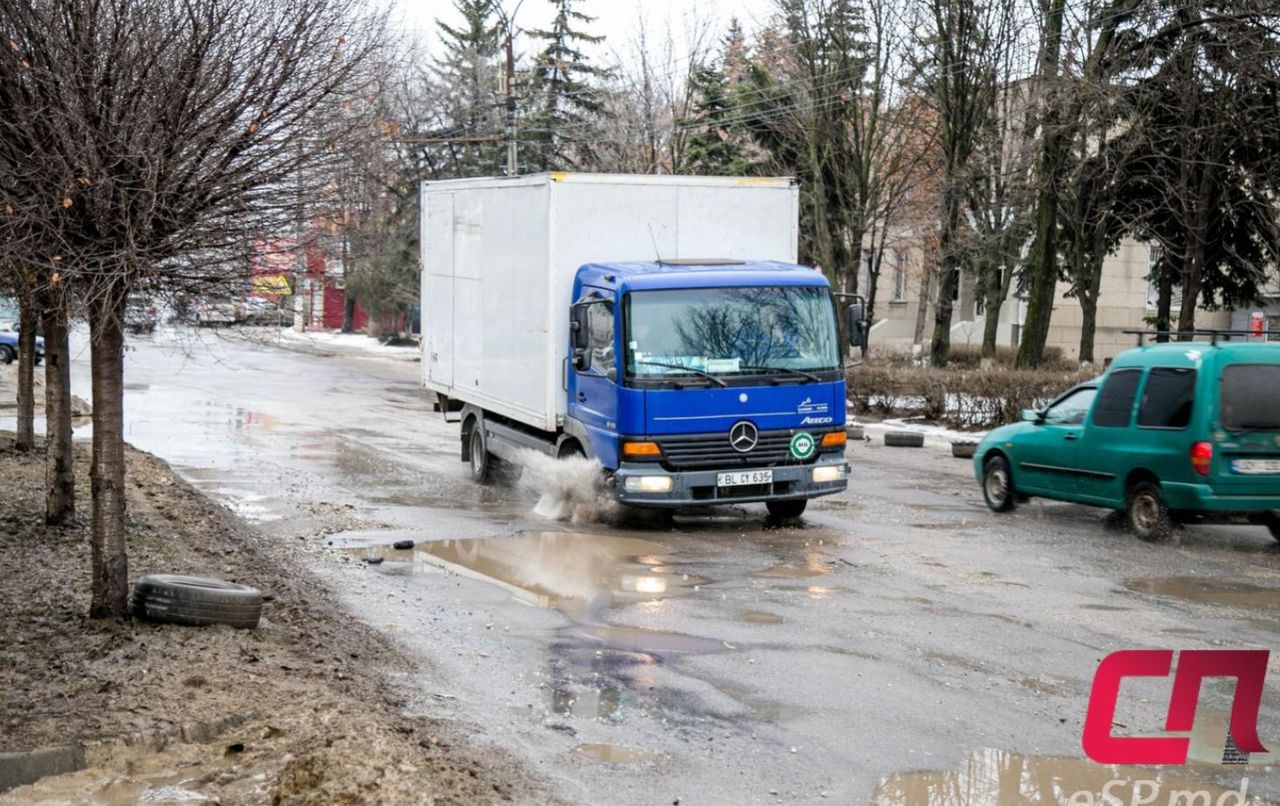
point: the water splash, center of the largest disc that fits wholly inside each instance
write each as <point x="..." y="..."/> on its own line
<point x="569" y="489"/>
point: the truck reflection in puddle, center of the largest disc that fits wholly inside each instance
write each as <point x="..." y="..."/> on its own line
<point x="597" y="668"/>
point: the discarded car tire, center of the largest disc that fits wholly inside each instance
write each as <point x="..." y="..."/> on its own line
<point x="963" y="450"/>
<point x="196" y="601"/>
<point x="904" y="439"/>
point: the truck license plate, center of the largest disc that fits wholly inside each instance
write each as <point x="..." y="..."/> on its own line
<point x="742" y="477"/>
<point x="1255" y="467"/>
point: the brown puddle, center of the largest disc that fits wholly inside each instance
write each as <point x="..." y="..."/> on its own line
<point x="613" y="753"/>
<point x="573" y="572"/>
<point x="1209" y="590"/>
<point x="1000" y="778"/>
<point x="814" y="565"/>
<point x="761" y="617"/>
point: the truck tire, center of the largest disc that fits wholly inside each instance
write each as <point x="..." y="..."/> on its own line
<point x="1147" y="513"/>
<point x="904" y="439"/>
<point x="997" y="485"/>
<point x="481" y="459"/>
<point x="196" y="601"/>
<point x="787" y="510"/>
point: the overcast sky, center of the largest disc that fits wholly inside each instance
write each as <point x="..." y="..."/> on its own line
<point x="616" y="20"/>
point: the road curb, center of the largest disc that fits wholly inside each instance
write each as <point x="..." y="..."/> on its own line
<point x="27" y="767"/>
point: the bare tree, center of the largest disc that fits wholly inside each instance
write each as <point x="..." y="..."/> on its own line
<point x="147" y="144"/>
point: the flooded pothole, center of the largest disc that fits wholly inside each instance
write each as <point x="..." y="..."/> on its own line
<point x="643" y="641"/>
<point x="1003" y="778"/>
<point x="613" y="753"/>
<point x="762" y="617"/>
<point x="814" y="564"/>
<point x="1209" y="590"/>
<point x="579" y="574"/>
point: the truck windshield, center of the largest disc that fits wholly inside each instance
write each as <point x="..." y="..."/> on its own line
<point x="730" y="331"/>
<point x="1248" y="397"/>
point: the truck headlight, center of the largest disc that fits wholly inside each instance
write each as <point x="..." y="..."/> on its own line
<point x="648" y="484"/>
<point x="828" y="473"/>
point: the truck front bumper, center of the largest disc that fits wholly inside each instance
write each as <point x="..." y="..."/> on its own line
<point x="699" y="487"/>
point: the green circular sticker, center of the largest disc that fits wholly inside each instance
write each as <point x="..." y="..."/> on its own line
<point x="803" y="445"/>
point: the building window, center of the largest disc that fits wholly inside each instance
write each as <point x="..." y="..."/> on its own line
<point x="899" y="277"/>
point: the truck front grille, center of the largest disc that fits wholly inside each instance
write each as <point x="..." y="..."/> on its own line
<point x="705" y="451"/>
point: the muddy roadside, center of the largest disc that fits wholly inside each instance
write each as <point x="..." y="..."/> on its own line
<point x="304" y="709"/>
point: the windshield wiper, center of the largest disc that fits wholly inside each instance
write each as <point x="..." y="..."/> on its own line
<point x="1259" y="426"/>
<point x="701" y="372"/>
<point x="799" y="372"/>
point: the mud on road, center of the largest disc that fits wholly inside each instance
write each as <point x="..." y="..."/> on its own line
<point x="305" y="708"/>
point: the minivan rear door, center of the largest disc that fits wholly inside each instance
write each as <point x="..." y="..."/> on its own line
<point x="1248" y="461"/>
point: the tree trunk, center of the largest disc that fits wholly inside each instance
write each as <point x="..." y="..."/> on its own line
<point x="59" y="468"/>
<point x="348" y="312"/>
<point x="922" y="309"/>
<point x="110" y="560"/>
<point x="1164" y="303"/>
<point x="1044" y="252"/>
<point x="1089" y="300"/>
<point x="940" y="348"/>
<point x="993" y="301"/>
<point x="26" y="428"/>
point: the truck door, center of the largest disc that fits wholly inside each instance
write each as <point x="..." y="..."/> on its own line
<point x="593" y="391"/>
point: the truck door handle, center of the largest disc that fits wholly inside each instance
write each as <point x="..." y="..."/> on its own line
<point x="1070" y="436"/>
<point x="582" y="398"/>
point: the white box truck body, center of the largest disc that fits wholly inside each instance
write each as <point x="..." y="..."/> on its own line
<point x="499" y="258"/>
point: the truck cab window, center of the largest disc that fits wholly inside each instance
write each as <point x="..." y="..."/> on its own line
<point x="600" y="337"/>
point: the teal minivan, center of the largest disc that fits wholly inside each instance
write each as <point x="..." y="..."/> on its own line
<point x="1177" y="432"/>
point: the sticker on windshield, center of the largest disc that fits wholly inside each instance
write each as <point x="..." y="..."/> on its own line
<point x="803" y="445"/>
<point x="719" y="365"/>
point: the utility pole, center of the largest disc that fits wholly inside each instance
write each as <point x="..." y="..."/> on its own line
<point x="509" y="87"/>
<point x="511" y="106"/>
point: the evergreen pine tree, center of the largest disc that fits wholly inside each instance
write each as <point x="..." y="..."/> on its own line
<point x="466" y="78"/>
<point x="563" y="103"/>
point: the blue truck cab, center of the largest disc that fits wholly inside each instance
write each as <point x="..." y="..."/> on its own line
<point x="707" y="382"/>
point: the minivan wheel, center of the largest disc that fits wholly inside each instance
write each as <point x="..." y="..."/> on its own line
<point x="787" y="510"/>
<point x="1147" y="512"/>
<point x="997" y="485"/>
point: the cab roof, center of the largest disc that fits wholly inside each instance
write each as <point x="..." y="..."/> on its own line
<point x="697" y="273"/>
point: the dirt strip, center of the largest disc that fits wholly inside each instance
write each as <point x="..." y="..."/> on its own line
<point x="302" y="710"/>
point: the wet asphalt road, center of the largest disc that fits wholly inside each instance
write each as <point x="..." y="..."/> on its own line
<point x="903" y="645"/>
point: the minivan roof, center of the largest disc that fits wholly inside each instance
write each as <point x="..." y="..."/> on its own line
<point x="1190" y="353"/>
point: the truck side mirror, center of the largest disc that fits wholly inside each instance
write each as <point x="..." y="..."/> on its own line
<point x="857" y="319"/>
<point x="579" y="336"/>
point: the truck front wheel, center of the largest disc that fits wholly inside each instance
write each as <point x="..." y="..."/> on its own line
<point x="787" y="510"/>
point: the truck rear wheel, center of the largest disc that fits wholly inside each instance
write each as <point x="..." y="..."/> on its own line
<point x="787" y="510"/>
<point x="481" y="459"/>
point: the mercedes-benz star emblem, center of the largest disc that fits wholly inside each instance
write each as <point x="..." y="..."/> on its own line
<point x="743" y="436"/>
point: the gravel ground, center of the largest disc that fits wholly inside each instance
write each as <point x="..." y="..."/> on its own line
<point x="323" y="719"/>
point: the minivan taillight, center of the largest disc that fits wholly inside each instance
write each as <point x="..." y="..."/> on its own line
<point x="1202" y="457"/>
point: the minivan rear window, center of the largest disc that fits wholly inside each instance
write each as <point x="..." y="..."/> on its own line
<point x="1251" y="397"/>
<point x="1168" y="398"/>
<point x="1115" y="401"/>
